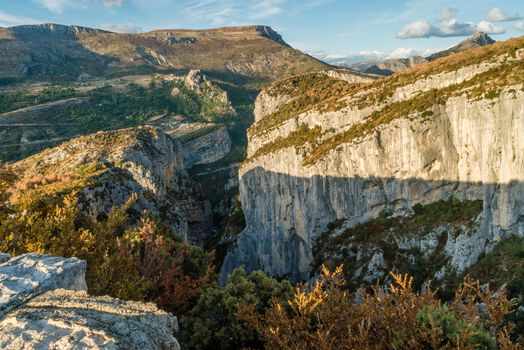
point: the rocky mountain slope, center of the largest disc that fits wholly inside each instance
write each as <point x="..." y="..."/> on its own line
<point x="82" y="109"/>
<point x="476" y="40"/>
<point x="44" y="304"/>
<point x="367" y="172"/>
<point x="389" y="66"/>
<point x="105" y="169"/>
<point x="57" y="52"/>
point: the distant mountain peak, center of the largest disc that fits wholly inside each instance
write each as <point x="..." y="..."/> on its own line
<point x="479" y="38"/>
<point x="476" y="40"/>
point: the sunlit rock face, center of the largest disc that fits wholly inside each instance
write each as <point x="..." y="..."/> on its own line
<point x="44" y="305"/>
<point x="465" y="140"/>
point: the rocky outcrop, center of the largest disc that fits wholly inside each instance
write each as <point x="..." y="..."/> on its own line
<point x="269" y="33"/>
<point x="208" y="148"/>
<point x="110" y="167"/>
<point x="44" y="304"/>
<point x="24" y="277"/>
<point x="373" y="149"/>
<point x="391" y="66"/>
<point x="215" y="101"/>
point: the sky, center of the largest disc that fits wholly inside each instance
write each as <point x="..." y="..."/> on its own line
<point x="349" y="30"/>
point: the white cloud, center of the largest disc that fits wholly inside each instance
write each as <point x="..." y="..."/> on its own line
<point x="447" y="27"/>
<point x="130" y="28"/>
<point x="448" y="13"/>
<point x="519" y="26"/>
<point x="490" y="28"/>
<point x="418" y="29"/>
<point x="348" y="58"/>
<point x="497" y="15"/>
<point x="363" y="56"/>
<point x="267" y="8"/>
<point x="9" y="20"/>
<point x="112" y="3"/>
<point x="59" y="6"/>
<point x="230" y="12"/>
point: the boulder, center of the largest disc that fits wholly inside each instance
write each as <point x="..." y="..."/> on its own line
<point x="44" y="305"/>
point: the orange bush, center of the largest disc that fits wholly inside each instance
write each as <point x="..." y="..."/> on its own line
<point x="325" y="316"/>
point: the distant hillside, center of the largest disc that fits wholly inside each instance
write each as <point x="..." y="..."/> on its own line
<point x="57" y="52"/>
<point x="390" y="66"/>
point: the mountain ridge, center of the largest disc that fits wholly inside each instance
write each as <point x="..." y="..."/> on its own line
<point x="390" y="66"/>
<point x="66" y="52"/>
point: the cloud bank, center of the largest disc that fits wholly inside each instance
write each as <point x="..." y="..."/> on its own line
<point x="363" y="56"/>
<point x="448" y="26"/>
<point x="59" y="6"/>
<point x="129" y="28"/>
<point x="497" y="15"/>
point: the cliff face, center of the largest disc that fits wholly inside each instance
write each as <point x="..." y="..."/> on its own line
<point x="208" y="148"/>
<point x="450" y="128"/>
<point x="107" y="168"/>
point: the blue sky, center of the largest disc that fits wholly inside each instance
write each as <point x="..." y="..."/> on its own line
<point x="327" y="28"/>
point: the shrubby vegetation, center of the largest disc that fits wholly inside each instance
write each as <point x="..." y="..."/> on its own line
<point x="325" y="316"/>
<point x="108" y="108"/>
<point x="504" y="266"/>
<point x="379" y="233"/>
<point x="213" y="322"/>
<point x="16" y="99"/>
<point x="134" y="262"/>
<point x="146" y="262"/>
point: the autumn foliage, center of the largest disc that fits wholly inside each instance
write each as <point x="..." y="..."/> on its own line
<point x="325" y="316"/>
<point x="143" y="261"/>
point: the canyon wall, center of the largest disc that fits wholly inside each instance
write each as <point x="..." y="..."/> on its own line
<point x="463" y="147"/>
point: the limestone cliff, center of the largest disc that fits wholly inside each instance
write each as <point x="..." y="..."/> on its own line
<point x="325" y="154"/>
<point x="107" y="168"/>
<point x="208" y="148"/>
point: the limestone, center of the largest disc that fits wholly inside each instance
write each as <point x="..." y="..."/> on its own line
<point x="44" y="305"/>
<point x="143" y="160"/>
<point x="25" y="276"/>
<point x="213" y="94"/>
<point x="4" y="257"/>
<point x="63" y="319"/>
<point x="208" y="148"/>
<point x="471" y="149"/>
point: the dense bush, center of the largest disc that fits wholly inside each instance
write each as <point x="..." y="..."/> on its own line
<point x="138" y="262"/>
<point x="325" y="316"/>
<point x="213" y="323"/>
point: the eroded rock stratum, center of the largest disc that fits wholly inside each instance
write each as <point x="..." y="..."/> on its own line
<point x="44" y="304"/>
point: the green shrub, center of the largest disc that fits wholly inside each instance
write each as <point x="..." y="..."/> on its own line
<point x="213" y="322"/>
